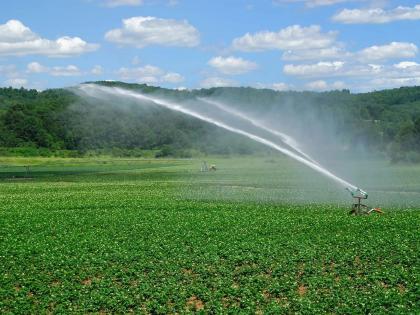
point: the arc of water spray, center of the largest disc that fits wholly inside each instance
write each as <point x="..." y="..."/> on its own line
<point x="176" y="107"/>
<point x="283" y="137"/>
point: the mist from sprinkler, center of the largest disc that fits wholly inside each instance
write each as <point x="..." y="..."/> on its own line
<point x="98" y="91"/>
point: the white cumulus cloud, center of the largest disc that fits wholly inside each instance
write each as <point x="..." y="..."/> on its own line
<point x="217" y="82"/>
<point x="324" y="70"/>
<point x="18" y="40"/>
<point x="332" y="52"/>
<point x="360" y="76"/>
<point x="232" y="65"/>
<point x="16" y="82"/>
<point x="406" y="65"/>
<point x="36" y="67"/>
<point x="389" y="51"/>
<point x="321" y="85"/>
<point x="143" y="31"/>
<point x="173" y="77"/>
<point x="316" y="69"/>
<point x="133" y="73"/>
<point x="280" y="86"/>
<point x="391" y="82"/>
<point x="293" y="37"/>
<point x="393" y="50"/>
<point x="377" y="15"/>
<point x="149" y="74"/>
<point x="277" y="86"/>
<point x="65" y="71"/>
<point x="148" y="80"/>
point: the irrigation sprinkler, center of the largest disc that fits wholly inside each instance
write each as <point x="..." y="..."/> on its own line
<point x="358" y="208"/>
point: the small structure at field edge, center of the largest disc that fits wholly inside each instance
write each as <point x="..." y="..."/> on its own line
<point x="358" y="208"/>
<point x="205" y="168"/>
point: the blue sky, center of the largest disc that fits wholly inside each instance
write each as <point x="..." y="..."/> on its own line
<point x="361" y="45"/>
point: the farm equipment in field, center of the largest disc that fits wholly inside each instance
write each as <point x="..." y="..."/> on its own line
<point x="358" y="208"/>
<point x="206" y="168"/>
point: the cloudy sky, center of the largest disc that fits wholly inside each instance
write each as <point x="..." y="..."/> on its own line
<point x="361" y="45"/>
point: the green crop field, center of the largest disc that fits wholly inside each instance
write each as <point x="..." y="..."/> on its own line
<point x="259" y="235"/>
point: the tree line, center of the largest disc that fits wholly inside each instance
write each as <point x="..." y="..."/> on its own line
<point x="54" y="120"/>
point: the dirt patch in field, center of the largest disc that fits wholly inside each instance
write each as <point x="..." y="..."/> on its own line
<point x="87" y="282"/>
<point x="384" y="285"/>
<point x="302" y="290"/>
<point x="228" y="302"/>
<point x="259" y="312"/>
<point x="283" y="301"/>
<point x="188" y="272"/>
<point x="266" y="294"/>
<point x="195" y="303"/>
<point x="401" y="288"/>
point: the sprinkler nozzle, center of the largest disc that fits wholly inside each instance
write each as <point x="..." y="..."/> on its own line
<point x="357" y="193"/>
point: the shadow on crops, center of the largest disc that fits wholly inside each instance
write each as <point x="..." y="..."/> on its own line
<point x="105" y="172"/>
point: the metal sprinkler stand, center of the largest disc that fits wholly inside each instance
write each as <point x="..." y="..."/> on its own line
<point x="359" y="208"/>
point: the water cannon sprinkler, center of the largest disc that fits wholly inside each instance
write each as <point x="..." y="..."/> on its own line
<point x="358" y="208"/>
<point x="358" y="193"/>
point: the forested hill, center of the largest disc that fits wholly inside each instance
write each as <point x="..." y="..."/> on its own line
<point x="57" y="120"/>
